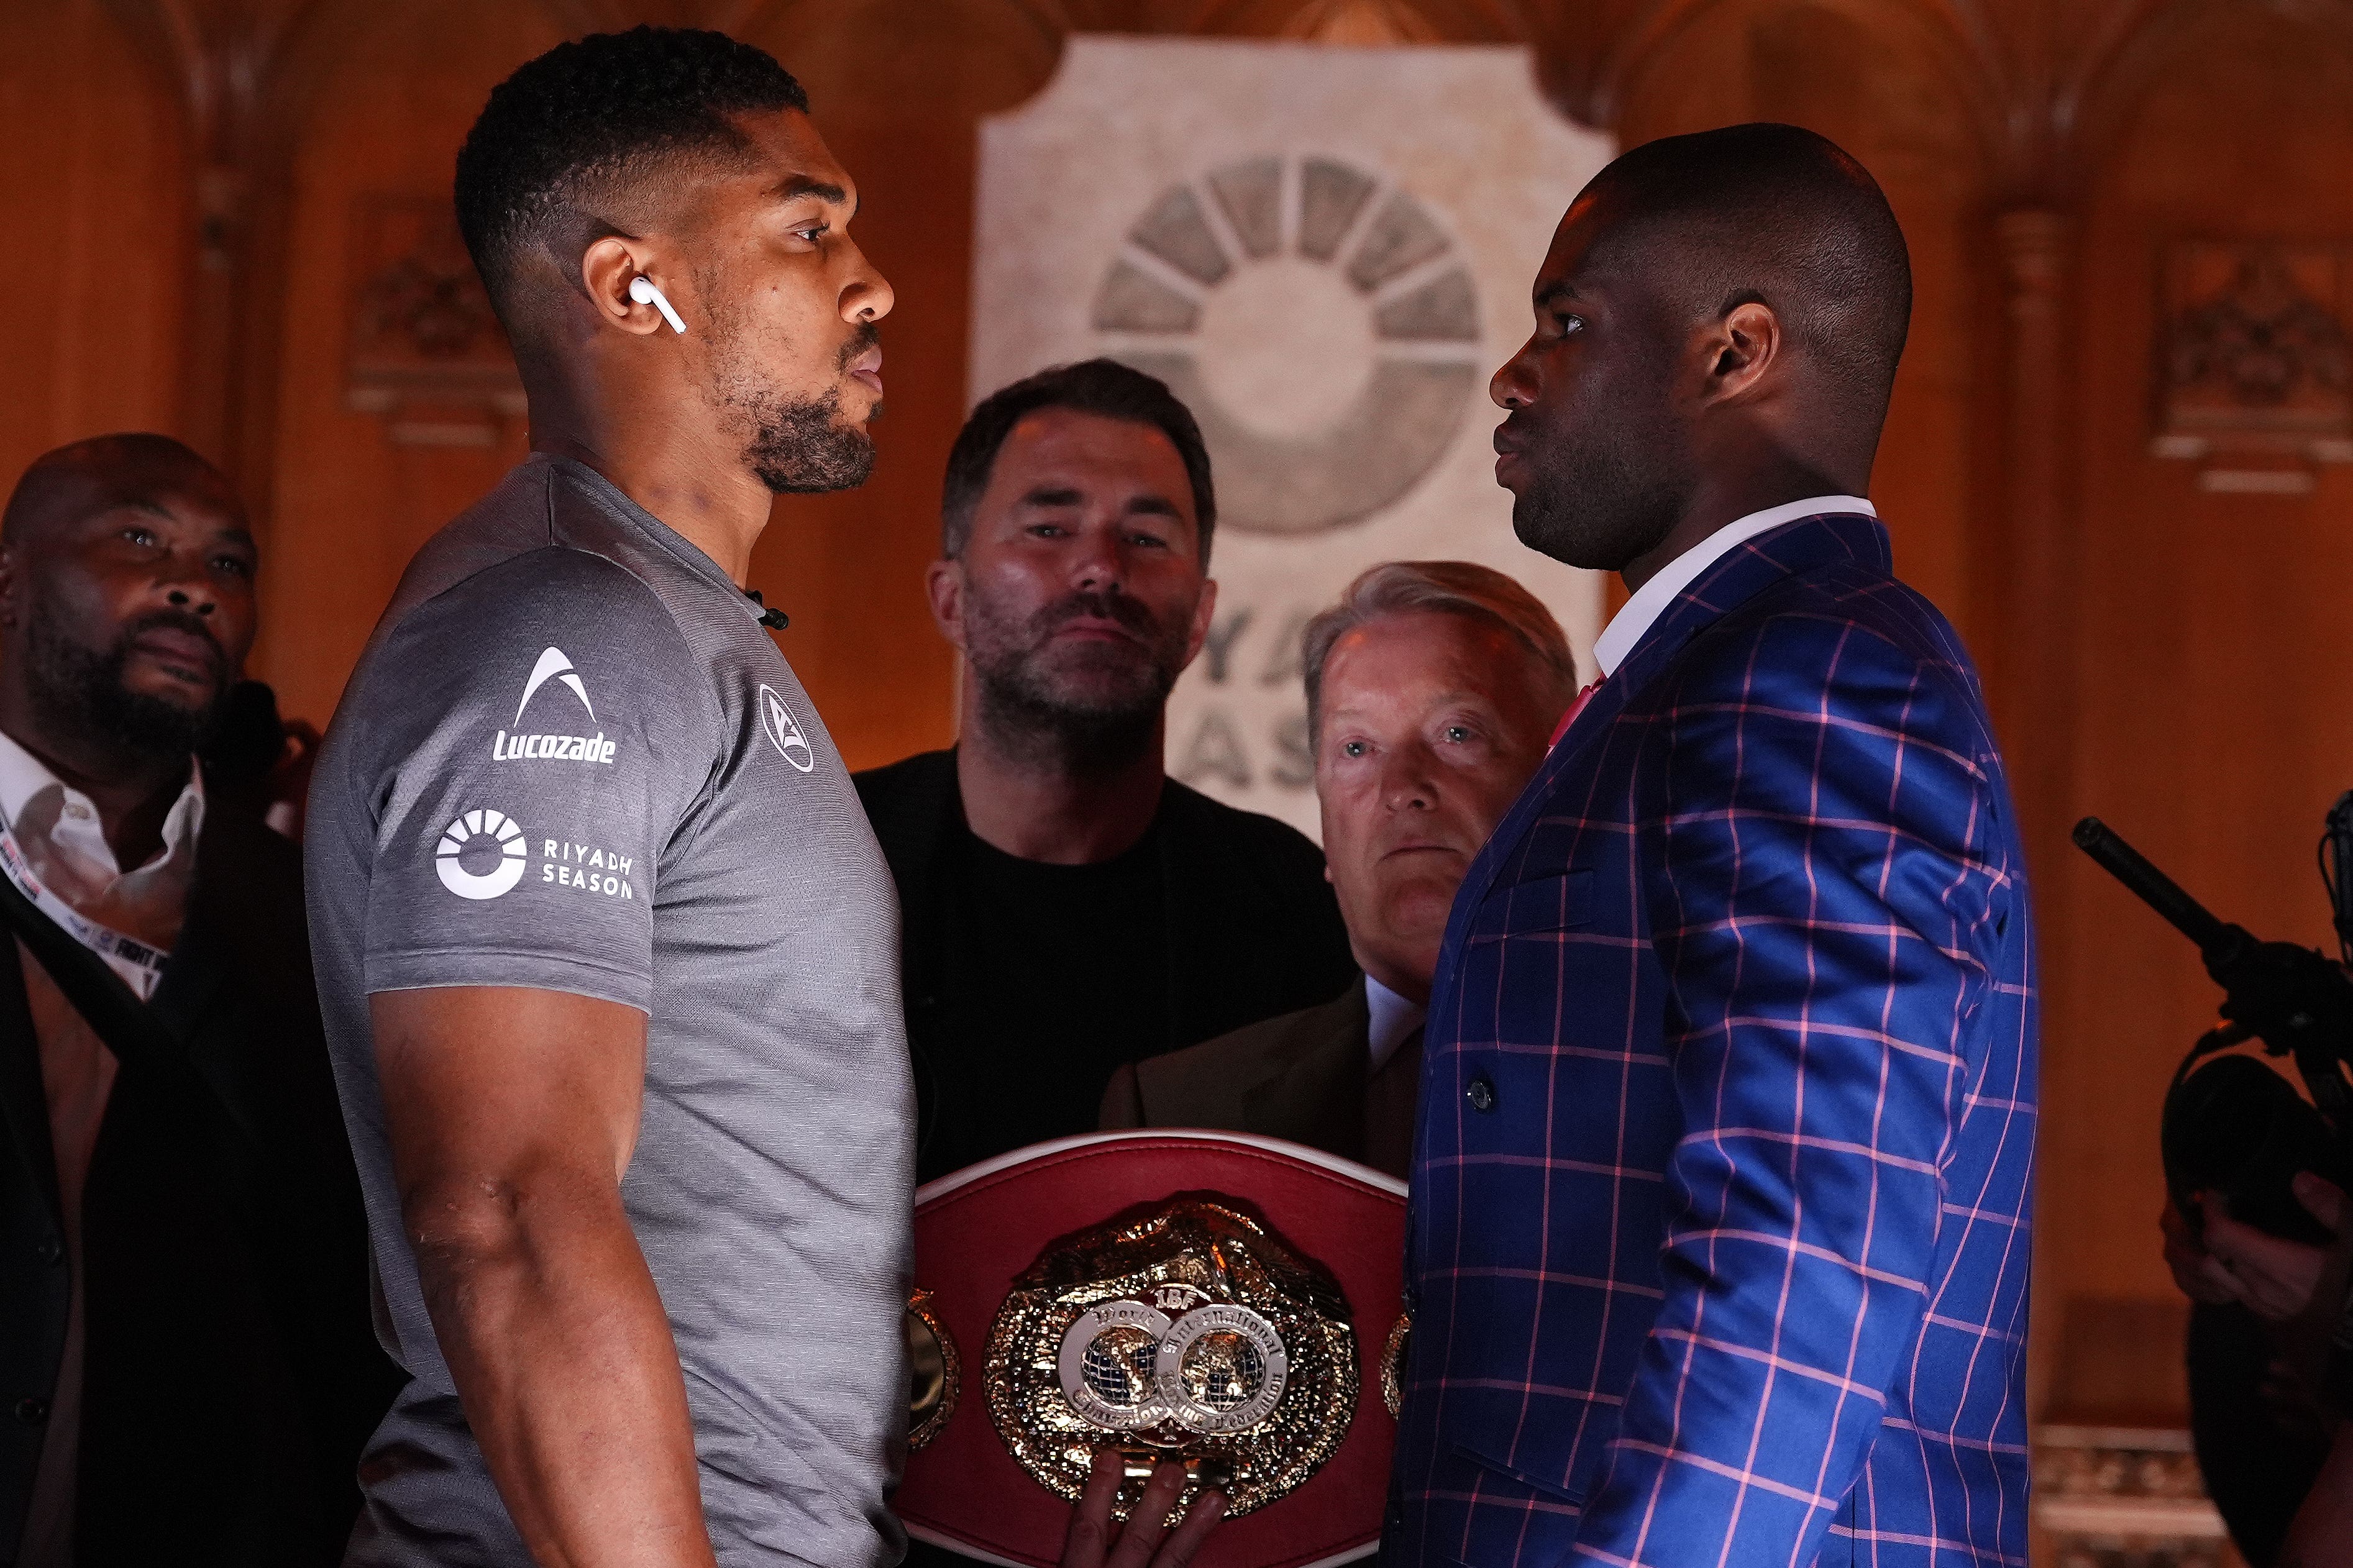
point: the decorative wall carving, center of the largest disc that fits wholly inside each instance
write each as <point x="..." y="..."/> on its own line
<point x="2124" y="1498"/>
<point x="427" y="349"/>
<point x="2254" y="362"/>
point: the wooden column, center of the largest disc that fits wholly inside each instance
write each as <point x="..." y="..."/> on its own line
<point x="2031" y="664"/>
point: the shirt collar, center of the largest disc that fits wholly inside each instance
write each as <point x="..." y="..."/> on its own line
<point x="23" y="775"/>
<point x="1650" y="601"/>
<point x="1394" y="1019"/>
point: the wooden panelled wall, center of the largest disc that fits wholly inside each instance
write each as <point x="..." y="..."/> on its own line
<point x="189" y="181"/>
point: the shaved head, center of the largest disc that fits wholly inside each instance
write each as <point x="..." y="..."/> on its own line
<point x="136" y="469"/>
<point x="1777" y="215"/>
<point x="126" y="604"/>
<point x="1717" y="325"/>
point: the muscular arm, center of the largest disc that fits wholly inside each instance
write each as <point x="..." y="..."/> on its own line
<point x="513" y="1114"/>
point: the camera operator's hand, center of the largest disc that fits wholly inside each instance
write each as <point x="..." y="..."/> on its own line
<point x="2276" y="1279"/>
<point x="1091" y="1543"/>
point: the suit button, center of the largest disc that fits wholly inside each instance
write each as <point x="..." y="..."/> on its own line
<point x="1481" y="1094"/>
<point x="31" y="1411"/>
<point x="50" y="1250"/>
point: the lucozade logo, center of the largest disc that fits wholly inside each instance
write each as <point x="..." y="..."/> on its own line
<point x="552" y="666"/>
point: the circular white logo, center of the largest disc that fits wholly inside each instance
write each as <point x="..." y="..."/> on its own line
<point x="783" y="731"/>
<point x="1319" y="320"/>
<point x="479" y="832"/>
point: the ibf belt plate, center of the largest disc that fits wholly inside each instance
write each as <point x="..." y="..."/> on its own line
<point x="1187" y="1332"/>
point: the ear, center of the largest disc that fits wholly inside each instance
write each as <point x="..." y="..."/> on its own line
<point x="1742" y="350"/>
<point x="1205" y="614"/>
<point x="607" y="269"/>
<point x="944" y="587"/>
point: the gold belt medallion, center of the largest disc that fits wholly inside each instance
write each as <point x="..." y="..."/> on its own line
<point x="1189" y="1333"/>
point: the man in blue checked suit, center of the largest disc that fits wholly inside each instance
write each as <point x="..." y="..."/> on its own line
<point x="1723" y="1174"/>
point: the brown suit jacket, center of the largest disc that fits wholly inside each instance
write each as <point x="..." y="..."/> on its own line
<point x="1303" y="1077"/>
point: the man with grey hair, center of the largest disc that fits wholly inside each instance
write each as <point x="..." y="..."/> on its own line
<point x="1433" y="689"/>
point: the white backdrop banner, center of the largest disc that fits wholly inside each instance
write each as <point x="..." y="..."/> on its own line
<point x="1326" y="252"/>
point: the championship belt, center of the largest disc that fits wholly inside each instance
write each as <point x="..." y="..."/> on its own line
<point x="1226" y="1301"/>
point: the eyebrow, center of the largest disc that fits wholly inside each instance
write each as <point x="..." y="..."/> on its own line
<point x="796" y="186"/>
<point x="1141" y="505"/>
<point x="1557" y="290"/>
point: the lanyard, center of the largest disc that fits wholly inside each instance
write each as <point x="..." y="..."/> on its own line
<point x="136" y="961"/>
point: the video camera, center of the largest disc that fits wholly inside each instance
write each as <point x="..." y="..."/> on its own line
<point x="2232" y="1125"/>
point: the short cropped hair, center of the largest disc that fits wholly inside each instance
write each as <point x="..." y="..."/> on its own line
<point x="1098" y="386"/>
<point x="1777" y="214"/>
<point x="568" y="130"/>
<point x="1461" y="588"/>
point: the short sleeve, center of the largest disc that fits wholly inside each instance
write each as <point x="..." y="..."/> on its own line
<point x="534" y="737"/>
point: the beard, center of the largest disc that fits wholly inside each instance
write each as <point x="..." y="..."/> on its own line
<point x="1604" y="494"/>
<point x="79" y="689"/>
<point x="1085" y="709"/>
<point x="799" y="445"/>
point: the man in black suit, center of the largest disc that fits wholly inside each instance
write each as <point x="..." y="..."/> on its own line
<point x="186" y="1365"/>
<point x="1067" y="908"/>
<point x="1431" y="689"/>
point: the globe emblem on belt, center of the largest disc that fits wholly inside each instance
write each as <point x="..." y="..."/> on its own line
<point x="481" y="836"/>
<point x="1320" y="322"/>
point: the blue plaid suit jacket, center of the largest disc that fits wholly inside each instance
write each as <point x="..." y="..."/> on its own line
<point x="1721" y="1192"/>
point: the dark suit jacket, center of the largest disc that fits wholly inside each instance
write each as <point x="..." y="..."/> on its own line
<point x="231" y="1370"/>
<point x="1301" y="1077"/>
<point x="1253" y="929"/>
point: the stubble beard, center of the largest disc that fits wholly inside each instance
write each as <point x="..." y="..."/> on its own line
<point x="794" y="445"/>
<point x="1082" y="712"/>
<point x="79" y="690"/>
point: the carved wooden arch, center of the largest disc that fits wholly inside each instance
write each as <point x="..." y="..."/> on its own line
<point x="1953" y="36"/>
<point x="1453" y="21"/>
<point x="2098" y="100"/>
<point x="1041" y="22"/>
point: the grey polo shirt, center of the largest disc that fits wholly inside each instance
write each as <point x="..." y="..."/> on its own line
<point x="571" y="759"/>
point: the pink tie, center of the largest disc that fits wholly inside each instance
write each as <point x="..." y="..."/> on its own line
<point x="1574" y="710"/>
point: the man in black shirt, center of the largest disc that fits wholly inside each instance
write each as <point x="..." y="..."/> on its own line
<point x="1068" y="908"/>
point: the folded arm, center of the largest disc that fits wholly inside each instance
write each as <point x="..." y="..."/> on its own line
<point x="513" y="1113"/>
<point x="1823" y="923"/>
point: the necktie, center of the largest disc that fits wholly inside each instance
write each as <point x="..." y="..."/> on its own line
<point x="1574" y="708"/>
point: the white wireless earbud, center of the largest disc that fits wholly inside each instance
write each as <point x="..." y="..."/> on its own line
<point x="642" y="290"/>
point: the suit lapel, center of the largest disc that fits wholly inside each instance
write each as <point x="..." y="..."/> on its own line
<point x="24" y="1102"/>
<point x="1742" y="571"/>
<point x="1315" y="1093"/>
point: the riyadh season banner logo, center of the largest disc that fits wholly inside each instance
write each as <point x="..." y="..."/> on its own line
<point x="520" y="747"/>
<point x="484" y="836"/>
<point x="485" y="855"/>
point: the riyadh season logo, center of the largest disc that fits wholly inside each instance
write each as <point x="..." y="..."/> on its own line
<point x="495" y="843"/>
<point x="517" y="747"/>
<point x="485" y="835"/>
<point x="783" y="732"/>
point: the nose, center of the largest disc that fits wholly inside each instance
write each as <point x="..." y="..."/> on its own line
<point x="867" y="297"/>
<point x="1406" y="780"/>
<point x="1512" y="386"/>
<point x="1097" y="565"/>
<point x="187" y="587"/>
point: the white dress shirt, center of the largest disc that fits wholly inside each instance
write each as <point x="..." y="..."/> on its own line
<point x="1394" y="1019"/>
<point x="57" y="828"/>
<point x="1650" y="601"/>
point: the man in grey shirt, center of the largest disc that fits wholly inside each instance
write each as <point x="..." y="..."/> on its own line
<point x="608" y="953"/>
